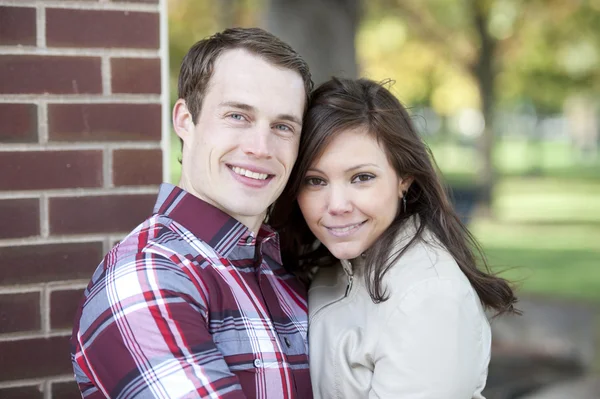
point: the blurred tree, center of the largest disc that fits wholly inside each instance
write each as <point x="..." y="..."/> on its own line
<point x="322" y="31"/>
<point x="555" y="54"/>
<point x="457" y="54"/>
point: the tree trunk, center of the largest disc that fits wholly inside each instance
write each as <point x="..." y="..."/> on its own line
<point x="485" y="77"/>
<point x="322" y="31"/>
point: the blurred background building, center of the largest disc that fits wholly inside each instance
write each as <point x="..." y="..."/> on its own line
<point x="506" y="93"/>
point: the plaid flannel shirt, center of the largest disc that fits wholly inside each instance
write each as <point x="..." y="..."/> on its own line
<point x="192" y="305"/>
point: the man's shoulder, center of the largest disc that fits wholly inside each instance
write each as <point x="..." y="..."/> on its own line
<point x="159" y="236"/>
<point x="161" y="248"/>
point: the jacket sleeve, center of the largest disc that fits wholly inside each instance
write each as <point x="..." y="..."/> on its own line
<point x="431" y="346"/>
<point x="143" y="334"/>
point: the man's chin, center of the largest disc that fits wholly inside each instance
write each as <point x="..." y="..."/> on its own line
<point x="247" y="212"/>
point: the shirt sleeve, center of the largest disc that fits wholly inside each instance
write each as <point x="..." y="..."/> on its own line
<point x="431" y="346"/>
<point x="143" y="333"/>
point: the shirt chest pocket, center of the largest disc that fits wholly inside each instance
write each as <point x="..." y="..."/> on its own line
<point x="247" y="350"/>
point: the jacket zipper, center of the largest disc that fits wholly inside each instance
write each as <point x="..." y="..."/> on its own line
<point x="348" y="288"/>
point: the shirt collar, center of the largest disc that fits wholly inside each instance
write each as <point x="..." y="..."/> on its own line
<point x="210" y="224"/>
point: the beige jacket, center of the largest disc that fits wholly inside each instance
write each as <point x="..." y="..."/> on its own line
<point x="429" y="340"/>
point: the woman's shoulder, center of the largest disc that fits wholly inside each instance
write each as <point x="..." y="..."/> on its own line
<point x="426" y="267"/>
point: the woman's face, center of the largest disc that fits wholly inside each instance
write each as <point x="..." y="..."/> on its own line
<point x="350" y="195"/>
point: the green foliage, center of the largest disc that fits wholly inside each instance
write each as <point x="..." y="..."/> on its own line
<point x="545" y="50"/>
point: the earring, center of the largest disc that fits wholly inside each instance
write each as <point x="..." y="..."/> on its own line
<point x="404" y="201"/>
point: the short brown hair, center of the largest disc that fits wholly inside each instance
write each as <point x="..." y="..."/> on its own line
<point x="198" y="64"/>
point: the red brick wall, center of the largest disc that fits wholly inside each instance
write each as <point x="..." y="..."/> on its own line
<point x="82" y="114"/>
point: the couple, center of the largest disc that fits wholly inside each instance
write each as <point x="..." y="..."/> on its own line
<point x="205" y="300"/>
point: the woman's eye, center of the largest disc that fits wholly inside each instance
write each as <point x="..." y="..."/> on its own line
<point x="362" y="178"/>
<point x="314" y="181"/>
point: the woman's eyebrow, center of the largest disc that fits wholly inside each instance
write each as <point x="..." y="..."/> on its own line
<point x="362" y="165"/>
<point x="350" y="169"/>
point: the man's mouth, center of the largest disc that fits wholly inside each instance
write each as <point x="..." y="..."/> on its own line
<point x="249" y="173"/>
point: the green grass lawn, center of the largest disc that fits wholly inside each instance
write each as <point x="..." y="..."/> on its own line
<point x="546" y="231"/>
<point x="546" y="234"/>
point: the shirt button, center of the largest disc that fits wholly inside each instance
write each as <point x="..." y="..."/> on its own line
<point x="248" y="239"/>
<point x="258" y="363"/>
<point x="287" y="342"/>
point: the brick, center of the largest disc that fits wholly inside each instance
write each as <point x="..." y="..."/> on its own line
<point x="104" y="122"/>
<point x="17" y="26"/>
<point x="18" y="123"/>
<point x="34" y="358"/>
<point x="39" y="170"/>
<point x="99" y="214"/>
<point x="20" y="218"/>
<point x="63" y="306"/>
<point x="102" y="29"/>
<point x="32" y="264"/>
<point x="137" y="167"/>
<point x="26" y="392"/>
<point x="38" y="74"/>
<point x="65" y="390"/>
<point x="135" y="75"/>
<point x="20" y="312"/>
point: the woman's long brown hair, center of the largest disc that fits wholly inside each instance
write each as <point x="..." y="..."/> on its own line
<point x="343" y="104"/>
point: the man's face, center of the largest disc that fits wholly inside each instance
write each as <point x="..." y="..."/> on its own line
<point x="241" y="151"/>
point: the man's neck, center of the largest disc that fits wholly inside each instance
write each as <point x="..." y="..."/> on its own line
<point x="253" y="223"/>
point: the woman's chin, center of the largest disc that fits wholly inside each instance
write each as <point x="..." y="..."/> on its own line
<point x="344" y="253"/>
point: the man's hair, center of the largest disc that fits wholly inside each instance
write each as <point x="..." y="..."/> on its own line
<point x="198" y="64"/>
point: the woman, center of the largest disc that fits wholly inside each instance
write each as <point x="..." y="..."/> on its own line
<point x="397" y="304"/>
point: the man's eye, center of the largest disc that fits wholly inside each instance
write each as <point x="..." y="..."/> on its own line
<point x="314" y="181"/>
<point x="237" y="117"/>
<point x="363" y="177"/>
<point x="282" y="127"/>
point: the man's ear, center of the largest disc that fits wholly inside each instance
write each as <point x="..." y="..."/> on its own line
<point x="183" y="123"/>
<point x="404" y="184"/>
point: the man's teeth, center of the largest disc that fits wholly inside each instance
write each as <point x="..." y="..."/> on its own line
<point x="344" y="229"/>
<point x="250" y="174"/>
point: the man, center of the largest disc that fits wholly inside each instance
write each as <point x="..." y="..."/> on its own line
<point x="194" y="302"/>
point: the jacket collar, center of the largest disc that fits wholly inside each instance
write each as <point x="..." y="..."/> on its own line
<point x="350" y="266"/>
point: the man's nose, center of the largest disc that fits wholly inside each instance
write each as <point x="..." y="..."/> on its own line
<point x="257" y="142"/>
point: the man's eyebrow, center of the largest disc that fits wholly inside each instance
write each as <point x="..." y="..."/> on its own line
<point x="238" y="105"/>
<point x="290" y="118"/>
